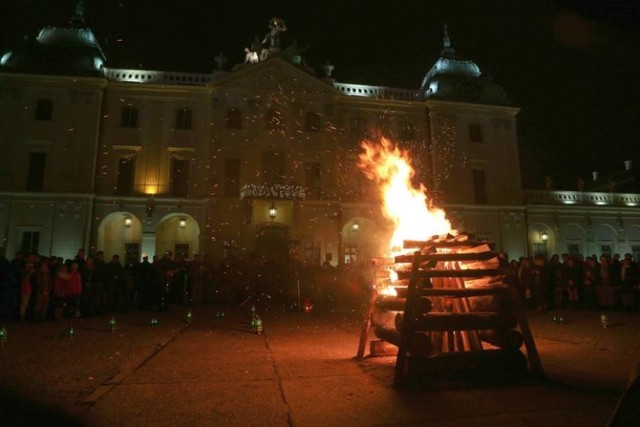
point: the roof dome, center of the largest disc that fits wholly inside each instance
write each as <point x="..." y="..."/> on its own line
<point x="454" y="78"/>
<point x="72" y="50"/>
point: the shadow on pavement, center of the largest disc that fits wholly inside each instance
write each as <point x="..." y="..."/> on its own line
<point x="20" y="411"/>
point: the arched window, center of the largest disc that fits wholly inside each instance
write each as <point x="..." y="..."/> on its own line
<point x="233" y="118"/>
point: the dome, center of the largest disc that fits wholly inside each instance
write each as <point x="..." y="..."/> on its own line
<point x="453" y="78"/>
<point x="71" y="50"/>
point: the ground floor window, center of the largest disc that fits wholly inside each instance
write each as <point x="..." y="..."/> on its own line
<point x="573" y="249"/>
<point x="229" y="248"/>
<point x="540" y="249"/>
<point x="131" y="253"/>
<point x="605" y="249"/>
<point x="181" y="251"/>
<point x="30" y="242"/>
<point x="350" y="254"/>
<point x="312" y="252"/>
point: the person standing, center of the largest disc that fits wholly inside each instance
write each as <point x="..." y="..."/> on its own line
<point x="74" y="290"/>
<point x="44" y="286"/>
<point x="114" y="282"/>
<point x="26" y="289"/>
<point x="59" y="287"/>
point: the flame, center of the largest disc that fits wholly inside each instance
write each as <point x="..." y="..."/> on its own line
<point x="405" y="205"/>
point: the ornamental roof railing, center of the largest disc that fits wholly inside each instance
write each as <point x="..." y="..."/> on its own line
<point x="588" y="198"/>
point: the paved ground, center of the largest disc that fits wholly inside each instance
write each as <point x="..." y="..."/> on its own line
<point x="300" y="372"/>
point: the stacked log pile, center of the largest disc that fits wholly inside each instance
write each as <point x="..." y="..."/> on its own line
<point x="451" y="313"/>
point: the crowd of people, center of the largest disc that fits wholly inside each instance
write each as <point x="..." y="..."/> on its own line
<point x="37" y="288"/>
<point x="576" y="282"/>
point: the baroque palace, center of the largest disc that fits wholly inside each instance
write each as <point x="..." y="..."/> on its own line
<point x="262" y="157"/>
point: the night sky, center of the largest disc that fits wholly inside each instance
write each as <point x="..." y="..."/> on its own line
<point x="573" y="67"/>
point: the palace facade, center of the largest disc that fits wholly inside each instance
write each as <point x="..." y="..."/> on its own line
<point x="261" y="158"/>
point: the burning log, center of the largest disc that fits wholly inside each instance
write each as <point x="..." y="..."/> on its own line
<point x="447" y="287"/>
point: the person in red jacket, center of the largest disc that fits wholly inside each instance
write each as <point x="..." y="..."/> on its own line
<point x="74" y="289"/>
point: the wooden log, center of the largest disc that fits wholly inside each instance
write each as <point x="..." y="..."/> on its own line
<point x="475" y="321"/>
<point x="451" y="273"/>
<point x="418" y="344"/>
<point x="464" y="292"/>
<point x="379" y="348"/>
<point x="411" y="244"/>
<point x="384" y="318"/>
<point x="366" y="327"/>
<point x="422" y="305"/>
<point x="436" y="256"/>
<point x="504" y="339"/>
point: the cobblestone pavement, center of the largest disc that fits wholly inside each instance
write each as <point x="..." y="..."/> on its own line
<point x="300" y="372"/>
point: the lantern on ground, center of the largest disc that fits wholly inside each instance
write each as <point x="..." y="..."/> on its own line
<point x="3" y="335"/>
<point x="189" y="317"/>
<point x="604" y="320"/>
<point x="113" y="324"/>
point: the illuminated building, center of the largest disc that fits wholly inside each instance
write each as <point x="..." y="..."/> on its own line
<point x="262" y="158"/>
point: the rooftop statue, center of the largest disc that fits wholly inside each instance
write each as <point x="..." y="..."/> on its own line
<point x="272" y="38"/>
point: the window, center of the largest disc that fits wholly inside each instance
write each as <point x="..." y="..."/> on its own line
<point x="479" y="186"/>
<point x="183" y="118"/>
<point x="635" y="251"/>
<point x="475" y="133"/>
<point x="181" y="251"/>
<point x="44" y="110"/>
<point x="126" y="176"/>
<point x="229" y="248"/>
<point x="540" y="249"/>
<point x="357" y="127"/>
<point x="129" y="118"/>
<point x="312" y="252"/>
<point x="234" y="118"/>
<point x="573" y="249"/>
<point x="232" y="177"/>
<point x="131" y="253"/>
<point x="30" y="242"/>
<point x="179" y="177"/>
<point x="313" y="175"/>
<point x="406" y="131"/>
<point x="273" y="120"/>
<point x="312" y="122"/>
<point x="605" y="249"/>
<point x="35" y="176"/>
<point x="350" y="254"/>
<point x="273" y="168"/>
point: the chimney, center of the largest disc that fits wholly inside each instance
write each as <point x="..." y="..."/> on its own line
<point x="627" y="165"/>
<point x="595" y="175"/>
